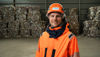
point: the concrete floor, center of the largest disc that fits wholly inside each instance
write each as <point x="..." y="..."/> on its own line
<point x="89" y="47"/>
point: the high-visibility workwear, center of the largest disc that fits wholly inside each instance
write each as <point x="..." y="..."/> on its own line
<point x="56" y="33"/>
<point x="65" y="45"/>
<point x="55" y="7"/>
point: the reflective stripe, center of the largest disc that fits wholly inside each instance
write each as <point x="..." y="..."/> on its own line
<point x="45" y="52"/>
<point x="76" y="54"/>
<point x="53" y="53"/>
<point x="71" y="35"/>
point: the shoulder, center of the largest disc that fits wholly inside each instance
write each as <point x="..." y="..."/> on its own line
<point x="44" y="34"/>
<point x="70" y="35"/>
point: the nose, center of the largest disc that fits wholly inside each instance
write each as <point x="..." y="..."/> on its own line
<point x="55" y="18"/>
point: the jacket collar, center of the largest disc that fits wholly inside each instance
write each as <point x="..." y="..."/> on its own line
<point x="55" y="32"/>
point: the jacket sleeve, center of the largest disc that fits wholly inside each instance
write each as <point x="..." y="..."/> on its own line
<point x="38" y="50"/>
<point x="73" y="49"/>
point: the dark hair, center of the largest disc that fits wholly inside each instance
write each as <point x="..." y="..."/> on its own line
<point x="56" y="12"/>
<point x="63" y="20"/>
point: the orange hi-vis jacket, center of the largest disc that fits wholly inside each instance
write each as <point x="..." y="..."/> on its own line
<point x="65" y="45"/>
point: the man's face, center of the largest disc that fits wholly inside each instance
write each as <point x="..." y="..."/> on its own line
<point x="55" y="19"/>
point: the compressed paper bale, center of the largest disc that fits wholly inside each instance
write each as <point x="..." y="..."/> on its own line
<point x="1" y="36"/>
<point x="98" y="29"/>
<point x="25" y="25"/>
<point x="98" y="25"/>
<point x="92" y="12"/>
<point x="36" y="27"/>
<point x="4" y="33"/>
<point x="73" y="20"/>
<point x="7" y="13"/>
<point x="21" y="25"/>
<point x="25" y="32"/>
<point x="11" y="25"/>
<point x="93" y="31"/>
<point x="21" y="10"/>
<point x="18" y="33"/>
<point x="8" y="19"/>
<point x="16" y="24"/>
<point x="86" y="28"/>
<point x="21" y="13"/>
<point x="15" y="32"/>
<point x="35" y="33"/>
<point x="73" y="11"/>
<point x="0" y="18"/>
<point x="21" y="17"/>
<point x="87" y="25"/>
<point x="34" y="15"/>
<point x="4" y="25"/>
<point x="33" y="27"/>
<point x="92" y="26"/>
<point x="97" y="16"/>
<point x="0" y="25"/>
<point x="34" y="18"/>
<point x="3" y="30"/>
<point x="10" y="32"/>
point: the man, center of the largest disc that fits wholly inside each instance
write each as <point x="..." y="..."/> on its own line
<point x="57" y="40"/>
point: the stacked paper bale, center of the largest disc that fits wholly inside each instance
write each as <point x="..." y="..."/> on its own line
<point x="34" y="19"/>
<point x="0" y="24"/>
<point x="7" y="19"/>
<point x="73" y="20"/>
<point x="21" y="22"/>
<point x="21" y="17"/>
<point x="13" y="24"/>
<point x="92" y="26"/>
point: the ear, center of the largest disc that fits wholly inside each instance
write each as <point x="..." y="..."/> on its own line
<point x="64" y="15"/>
<point x="48" y="17"/>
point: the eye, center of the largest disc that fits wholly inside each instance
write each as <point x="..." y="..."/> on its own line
<point x="52" y="15"/>
<point x="58" y="16"/>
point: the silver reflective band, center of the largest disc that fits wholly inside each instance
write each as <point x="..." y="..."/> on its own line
<point x="55" y="8"/>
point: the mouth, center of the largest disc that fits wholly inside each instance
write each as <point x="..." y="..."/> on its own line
<point x="55" y="22"/>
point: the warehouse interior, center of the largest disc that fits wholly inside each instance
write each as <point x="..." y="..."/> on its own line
<point x="23" y="21"/>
